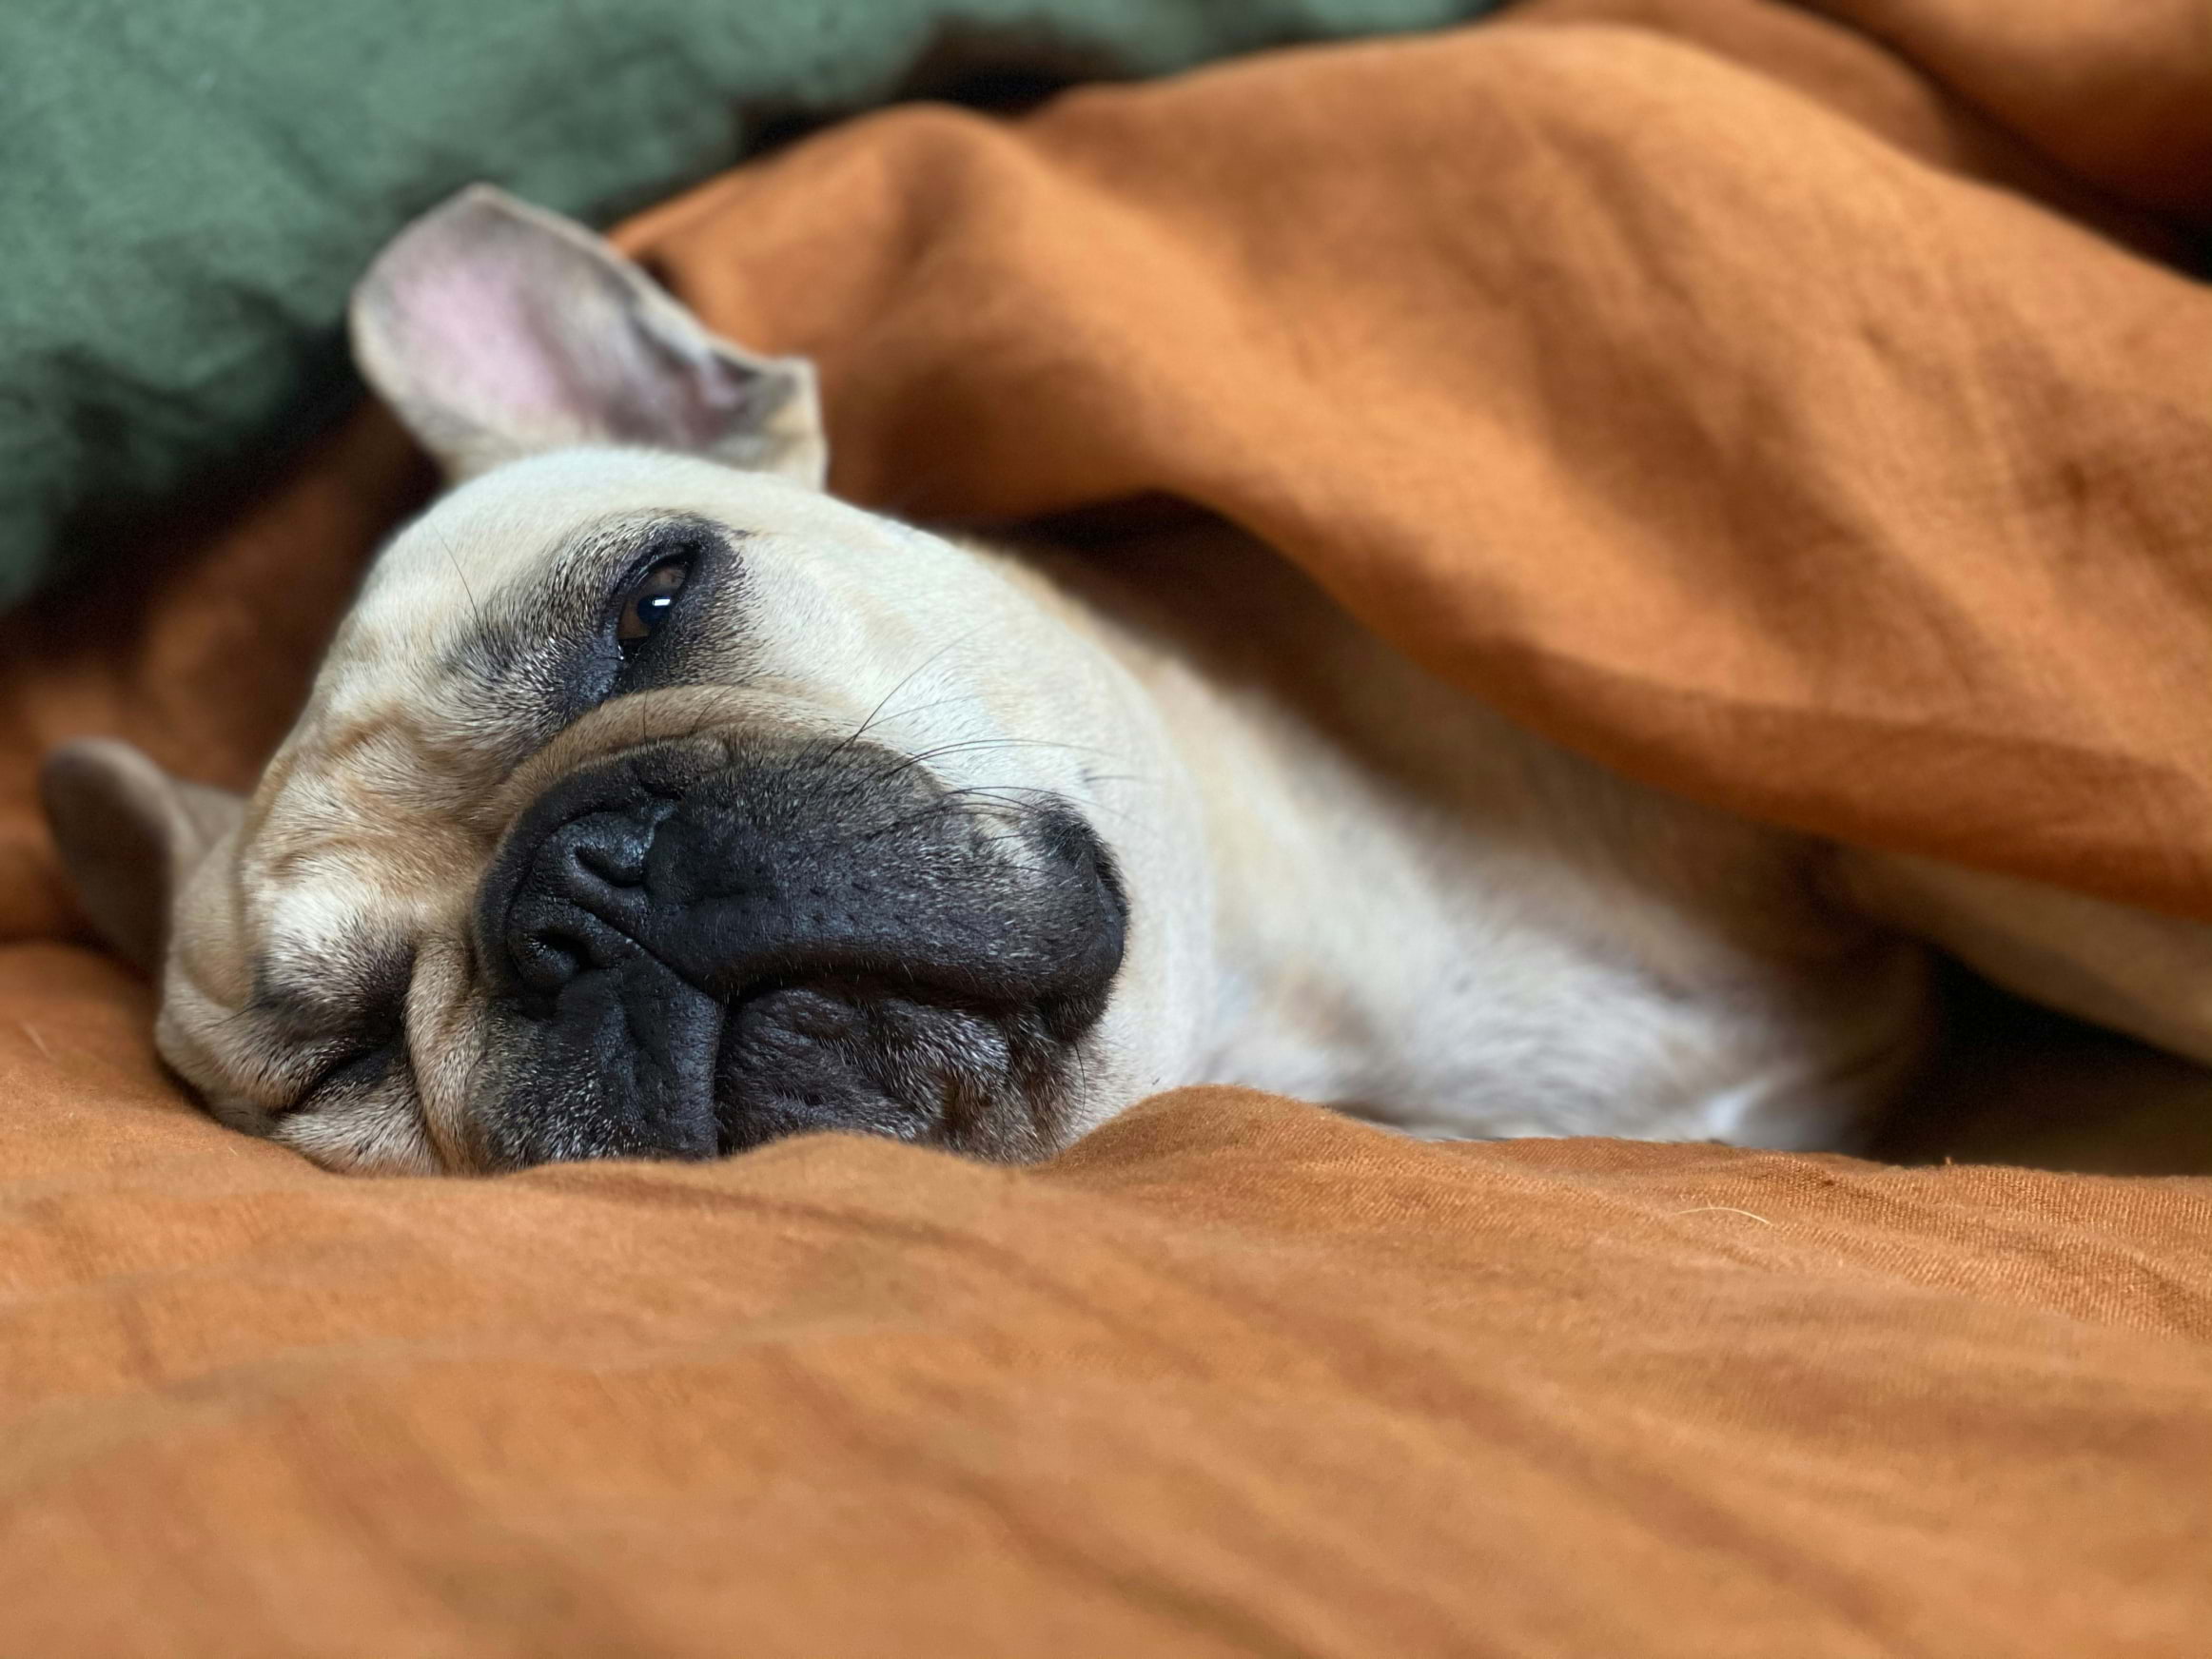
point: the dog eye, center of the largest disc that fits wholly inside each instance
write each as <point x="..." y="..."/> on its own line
<point x="647" y="604"/>
<point x="355" y="1063"/>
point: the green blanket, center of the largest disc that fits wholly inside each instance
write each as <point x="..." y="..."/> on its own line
<point x="191" y="185"/>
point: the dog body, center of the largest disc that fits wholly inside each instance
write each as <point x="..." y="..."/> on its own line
<point x="655" y="803"/>
<point x="1425" y="915"/>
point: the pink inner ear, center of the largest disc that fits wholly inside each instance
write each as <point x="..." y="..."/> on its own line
<point x="475" y="346"/>
<point x="498" y="334"/>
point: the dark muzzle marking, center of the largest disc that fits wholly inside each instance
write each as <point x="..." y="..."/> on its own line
<point x="698" y="946"/>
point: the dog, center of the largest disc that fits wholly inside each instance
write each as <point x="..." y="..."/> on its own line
<point x="650" y="802"/>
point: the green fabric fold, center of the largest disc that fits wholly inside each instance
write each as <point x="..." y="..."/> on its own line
<point x="192" y="185"/>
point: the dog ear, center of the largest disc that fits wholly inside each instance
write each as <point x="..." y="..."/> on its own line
<point x="497" y="330"/>
<point x="130" y="834"/>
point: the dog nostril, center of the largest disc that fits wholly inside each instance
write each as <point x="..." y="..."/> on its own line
<point x="623" y="865"/>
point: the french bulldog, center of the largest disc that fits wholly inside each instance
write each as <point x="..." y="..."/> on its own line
<point x="652" y="802"/>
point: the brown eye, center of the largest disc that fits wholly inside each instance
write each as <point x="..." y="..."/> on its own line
<point x="647" y="605"/>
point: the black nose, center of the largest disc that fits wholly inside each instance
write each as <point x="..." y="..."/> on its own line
<point x="692" y="940"/>
<point x="580" y="886"/>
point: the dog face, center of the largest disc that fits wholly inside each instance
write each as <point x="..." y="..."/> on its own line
<point x="653" y="803"/>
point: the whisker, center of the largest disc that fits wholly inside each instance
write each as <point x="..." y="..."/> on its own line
<point x="909" y="714"/>
<point x="904" y="681"/>
<point x="987" y="744"/>
<point x="454" y="559"/>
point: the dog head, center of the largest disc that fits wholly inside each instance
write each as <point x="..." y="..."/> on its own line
<point x="652" y="802"/>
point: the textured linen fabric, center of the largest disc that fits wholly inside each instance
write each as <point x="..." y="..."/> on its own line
<point x="1235" y="1376"/>
<point x="1805" y="411"/>
<point x="1771" y="455"/>
<point x="192" y="185"/>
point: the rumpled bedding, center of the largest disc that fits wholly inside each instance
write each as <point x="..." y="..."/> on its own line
<point x="1804" y="407"/>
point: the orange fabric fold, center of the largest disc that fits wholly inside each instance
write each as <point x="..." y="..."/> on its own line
<point x="1756" y="452"/>
<point x="1804" y="408"/>
<point x="1235" y="1376"/>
